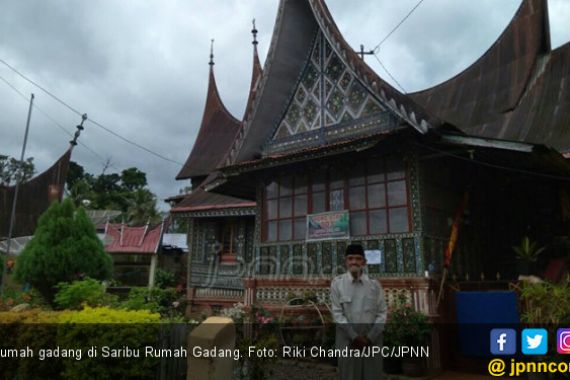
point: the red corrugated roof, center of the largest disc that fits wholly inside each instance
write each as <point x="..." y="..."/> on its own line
<point x="139" y="240"/>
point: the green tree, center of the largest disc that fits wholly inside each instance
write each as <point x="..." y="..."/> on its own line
<point x="133" y="179"/>
<point x="12" y="170"/>
<point x="64" y="248"/>
<point x="142" y="208"/>
<point x="126" y="192"/>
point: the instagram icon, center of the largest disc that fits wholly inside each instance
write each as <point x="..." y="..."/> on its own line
<point x="563" y="341"/>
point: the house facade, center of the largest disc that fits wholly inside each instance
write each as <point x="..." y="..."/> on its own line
<point x="330" y="154"/>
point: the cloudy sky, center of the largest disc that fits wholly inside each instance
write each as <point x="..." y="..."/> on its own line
<point x="140" y="67"/>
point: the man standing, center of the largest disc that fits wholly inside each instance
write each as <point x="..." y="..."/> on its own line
<point x="359" y="311"/>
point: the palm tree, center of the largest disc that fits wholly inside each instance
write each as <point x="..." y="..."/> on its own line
<point x="142" y="208"/>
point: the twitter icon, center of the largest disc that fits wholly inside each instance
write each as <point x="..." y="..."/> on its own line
<point x="534" y="342"/>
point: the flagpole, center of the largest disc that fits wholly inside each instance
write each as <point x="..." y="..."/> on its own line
<point x="439" y="294"/>
<point x="15" y="200"/>
<point x="452" y="241"/>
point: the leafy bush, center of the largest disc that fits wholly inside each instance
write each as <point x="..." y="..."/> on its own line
<point x="64" y="248"/>
<point x="83" y="329"/>
<point x="163" y="301"/>
<point x="406" y="326"/>
<point x="13" y="297"/>
<point x="164" y="279"/>
<point x="32" y="328"/>
<point x="87" y="292"/>
<point x="100" y="327"/>
<point x="546" y="303"/>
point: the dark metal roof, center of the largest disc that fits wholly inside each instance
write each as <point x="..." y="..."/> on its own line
<point x="200" y="200"/>
<point x="339" y="147"/>
<point x="297" y="23"/>
<point x="217" y="132"/>
<point x="34" y="197"/>
<point x="291" y="41"/>
<point x="543" y="115"/>
<point x="481" y="99"/>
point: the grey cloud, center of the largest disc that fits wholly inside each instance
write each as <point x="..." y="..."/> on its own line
<point x="141" y="69"/>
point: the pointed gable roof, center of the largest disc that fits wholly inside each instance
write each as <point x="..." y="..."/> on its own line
<point x="217" y="132"/>
<point x="298" y="25"/>
<point x="496" y="82"/>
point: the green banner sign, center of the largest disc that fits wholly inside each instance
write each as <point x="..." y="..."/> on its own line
<point x="328" y="225"/>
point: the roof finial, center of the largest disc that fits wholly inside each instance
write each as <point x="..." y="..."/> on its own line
<point x="211" y="63"/>
<point x="254" y="32"/>
<point x="79" y="129"/>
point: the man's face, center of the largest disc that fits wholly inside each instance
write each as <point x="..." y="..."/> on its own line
<point x="355" y="264"/>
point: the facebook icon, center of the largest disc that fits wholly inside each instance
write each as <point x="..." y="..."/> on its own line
<point x="503" y="342"/>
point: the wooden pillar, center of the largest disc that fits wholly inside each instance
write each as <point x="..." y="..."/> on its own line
<point x="152" y="271"/>
<point x="249" y="287"/>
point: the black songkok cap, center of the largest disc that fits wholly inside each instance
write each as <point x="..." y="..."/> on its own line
<point x="354" y="249"/>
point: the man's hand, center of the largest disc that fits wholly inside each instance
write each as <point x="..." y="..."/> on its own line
<point x="360" y="342"/>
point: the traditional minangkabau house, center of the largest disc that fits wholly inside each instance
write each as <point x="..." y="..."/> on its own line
<point x="332" y="155"/>
<point x="221" y="227"/>
<point x="134" y="251"/>
<point x="35" y="195"/>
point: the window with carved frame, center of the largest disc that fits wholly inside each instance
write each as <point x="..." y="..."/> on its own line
<point x="378" y="197"/>
<point x="375" y="191"/>
<point x="227" y="234"/>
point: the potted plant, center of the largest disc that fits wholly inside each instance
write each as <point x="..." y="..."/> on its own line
<point x="527" y="254"/>
<point x="407" y="327"/>
<point x="545" y="305"/>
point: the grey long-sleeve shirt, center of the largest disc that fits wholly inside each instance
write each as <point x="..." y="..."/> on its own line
<point x="358" y="308"/>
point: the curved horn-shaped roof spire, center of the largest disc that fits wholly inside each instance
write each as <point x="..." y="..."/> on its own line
<point x="216" y="134"/>
<point x="257" y="71"/>
<point x="211" y="63"/>
<point x="496" y="82"/>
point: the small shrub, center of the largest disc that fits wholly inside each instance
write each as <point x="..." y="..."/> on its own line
<point x="79" y="293"/>
<point x="34" y="329"/>
<point x="13" y="297"/>
<point x="406" y="326"/>
<point x="113" y="328"/>
<point x="166" y="302"/>
<point x="65" y="247"/>
<point x="164" y="279"/>
<point x="83" y="329"/>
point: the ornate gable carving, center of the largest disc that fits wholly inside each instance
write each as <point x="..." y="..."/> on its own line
<point x="328" y="94"/>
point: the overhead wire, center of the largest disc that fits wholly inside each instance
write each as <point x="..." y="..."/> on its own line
<point x="389" y="73"/>
<point x="74" y="110"/>
<point x="49" y="117"/>
<point x="376" y="49"/>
